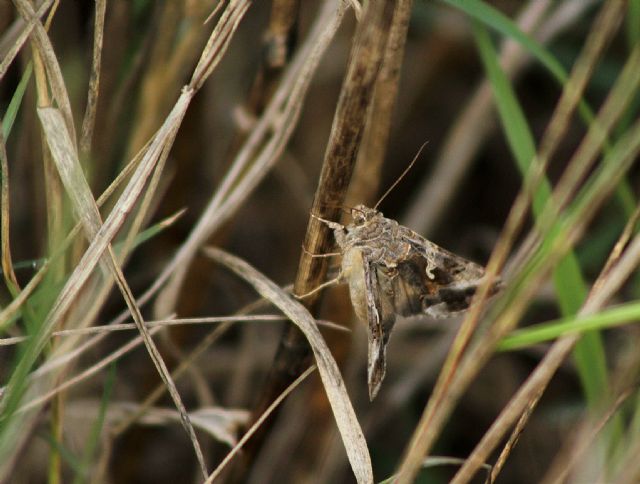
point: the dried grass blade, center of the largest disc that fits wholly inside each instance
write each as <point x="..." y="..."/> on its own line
<point x="10" y="311"/>
<point x="350" y="431"/>
<point x="258" y="154"/>
<point x="219" y="422"/>
<point x="89" y="120"/>
<point x="22" y="37"/>
<point x="257" y="424"/>
<point x="7" y="265"/>
<point x="160" y="144"/>
<point x="54" y="72"/>
<point x="68" y="164"/>
<point x="219" y="41"/>
<point x="158" y="149"/>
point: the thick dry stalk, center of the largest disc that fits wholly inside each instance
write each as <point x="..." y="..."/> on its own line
<point x="340" y="156"/>
<point x="376" y="135"/>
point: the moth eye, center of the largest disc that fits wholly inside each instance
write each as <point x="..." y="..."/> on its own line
<point x="358" y="218"/>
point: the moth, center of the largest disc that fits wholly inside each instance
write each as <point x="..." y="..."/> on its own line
<point x="391" y="271"/>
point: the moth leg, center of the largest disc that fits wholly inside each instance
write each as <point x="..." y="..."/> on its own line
<point x="331" y="282"/>
<point x="328" y="223"/>
<point x="316" y="256"/>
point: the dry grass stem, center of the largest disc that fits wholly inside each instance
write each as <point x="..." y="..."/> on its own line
<point x="25" y="29"/>
<point x="7" y="266"/>
<point x="375" y="138"/>
<point x="613" y="275"/>
<point x="454" y="376"/>
<point x="513" y="439"/>
<point x="240" y="124"/>
<point x="473" y="125"/>
<point x="345" y="417"/>
<point x="259" y="422"/>
<point x="163" y="323"/>
<point x="258" y="154"/>
<point x="89" y="119"/>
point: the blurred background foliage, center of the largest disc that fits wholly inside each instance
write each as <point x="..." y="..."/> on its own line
<point x="458" y="195"/>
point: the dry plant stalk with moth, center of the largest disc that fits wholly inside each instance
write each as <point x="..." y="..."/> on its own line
<point x="391" y="270"/>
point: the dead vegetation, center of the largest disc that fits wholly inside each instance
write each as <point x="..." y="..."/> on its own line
<point x="160" y="162"/>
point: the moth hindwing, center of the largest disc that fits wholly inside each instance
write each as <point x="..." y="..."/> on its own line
<point x="391" y="270"/>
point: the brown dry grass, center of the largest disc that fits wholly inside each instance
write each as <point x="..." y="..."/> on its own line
<point x="145" y="132"/>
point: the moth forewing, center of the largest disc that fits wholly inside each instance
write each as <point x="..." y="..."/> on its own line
<point x="362" y="280"/>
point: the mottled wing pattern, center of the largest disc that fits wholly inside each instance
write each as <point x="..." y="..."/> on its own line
<point x="411" y="285"/>
<point x="381" y="316"/>
<point x="452" y="286"/>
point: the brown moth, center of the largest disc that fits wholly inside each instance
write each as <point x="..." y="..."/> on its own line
<point x="391" y="270"/>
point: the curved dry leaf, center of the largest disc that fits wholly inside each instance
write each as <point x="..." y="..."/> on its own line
<point x="223" y="424"/>
<point x="350" y="430"/>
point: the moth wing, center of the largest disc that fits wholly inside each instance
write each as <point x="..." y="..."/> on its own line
<point x="411" y="285"/>
<point x="381" y="317"/>
<point x="449" y="281"/>
<point x="371" y="295"/>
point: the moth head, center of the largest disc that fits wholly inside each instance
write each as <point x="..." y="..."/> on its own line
<point x="361" y="214"/>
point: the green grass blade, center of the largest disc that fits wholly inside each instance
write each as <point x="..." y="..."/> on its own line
<point x="64" y="451"/>
<point x="493" y="18"/>
<point x="16" y="101"/>
<point x="96" y="429"/>
<point x="568" y="280"/>
<point x="544" y="332"/>
<point x="633" y="23"/>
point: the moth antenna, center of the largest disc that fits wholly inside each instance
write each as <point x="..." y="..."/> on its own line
<point x="406" y="170"/>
